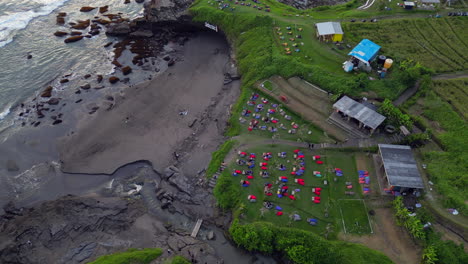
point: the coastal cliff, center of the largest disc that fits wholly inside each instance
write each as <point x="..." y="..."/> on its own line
<point x="166" y="10"/>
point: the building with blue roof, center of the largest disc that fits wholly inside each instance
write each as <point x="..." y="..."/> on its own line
<point x="365" y="51"/>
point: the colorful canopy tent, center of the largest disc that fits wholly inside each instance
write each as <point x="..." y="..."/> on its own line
<point x="365" y="51"/>
<point x="329" y="31"/>
<point x="400" y="167"/>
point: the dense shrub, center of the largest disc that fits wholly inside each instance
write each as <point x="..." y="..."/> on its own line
<point x="395" y="115"/>
<point x="300" y="246"/>
<point x="218" y="156"/>
<point x="226" y="191"/>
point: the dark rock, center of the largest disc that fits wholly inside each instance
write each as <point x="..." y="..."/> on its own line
<point x="82" y="24"/>
<point x="60" y="20"/>
<point x="53" y="101"/>
<point x="78" y="101"/>
<point x="126" y="1"/>
<point x="73" y="39"/>
<point x="86" y="86"/>
<point x="99" y="87"/>
<point x="113" y="79"/>
<point x="62" y="14"/>
<point x="116" y="63"/>
<point x="60" y="33"/>
<point x="166" y="11"/>
<point x="118" y="29"/>
<point x="126" y="70"/>
<point x="29" y="57"/>
<point x="94" y="32"/>
<point x="142" y="34"/>
<point x="110" y="98"/>
<point x="139" y="1"/>
<point x="87" y="76"/>
<point x="88" y="36"/>
<point x="77" y="91"/>
<point x="37" y="123"/>
<point x="167" y="58"/>
<point x="47" y="92"/>
<point x="102" y="21"/>
<point x="103" y="9"/>
<point x="108" y="44"/>
<point x="64" y="81"/>
<point x="76" y="33"/>
<point x="99" y="78"/>
<point x="95" y="26"/>
<point x="11" y="165"/>
<point x="56" y="122"/>
<point x="171" y="63"/>
<point x="87" y="8"/>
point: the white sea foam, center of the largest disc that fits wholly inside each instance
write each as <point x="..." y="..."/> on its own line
<point x="11" y="23"/>
<point x="5" y="112"/>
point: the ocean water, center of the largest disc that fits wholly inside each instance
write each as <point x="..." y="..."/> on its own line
<point x="27" y="27"/>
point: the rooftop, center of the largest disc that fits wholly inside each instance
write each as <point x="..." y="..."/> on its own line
<point x="329" y="28"/>
<point x="400" y="166"/>
<point x="365" y="50"/>
<point x="362" y="113"/>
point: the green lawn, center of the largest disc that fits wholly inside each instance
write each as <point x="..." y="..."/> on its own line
<point x="134" y="256"/>
<point x="332" y="194"/>
<point x="356" y="220"/>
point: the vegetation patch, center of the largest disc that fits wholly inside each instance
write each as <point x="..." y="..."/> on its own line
<point x="131" y="256"/>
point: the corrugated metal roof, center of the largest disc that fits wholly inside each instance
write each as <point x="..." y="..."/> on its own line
<point x="359" y="111"/>
<point x="329" y="28"/>
<point x="400" y="166"/>
<point x="365" y="50"/>
<point x="409" y="3"/>
<point x="430" y="1"/>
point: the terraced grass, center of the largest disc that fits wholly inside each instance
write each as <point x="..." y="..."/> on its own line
<point x="439" y="44"/>
<point x="455" y="92"/>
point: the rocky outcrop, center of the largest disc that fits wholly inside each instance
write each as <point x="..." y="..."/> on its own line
<point x="305" y="4"/>
<point x="166" y="10"/>
<point x="103" y="9"/>
<point x="73" y="39"/>
<point x="113" y="79"/>
<point x="118" y="29"/>
<point x="47" y="92"/>
<point x="60" y="33"/>
<point x="66" y="230"/>
<point x="81" y="24"/>
<point x="87" y="9"/>
<point x="126" y="70"/>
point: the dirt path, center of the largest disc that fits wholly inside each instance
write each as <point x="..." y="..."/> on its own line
<point x="447" y="76"/>
<point x="388" y="238"/>
<point x="407" y="94"/>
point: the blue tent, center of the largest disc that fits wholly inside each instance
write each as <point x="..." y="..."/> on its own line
<point x="365" y="51"/>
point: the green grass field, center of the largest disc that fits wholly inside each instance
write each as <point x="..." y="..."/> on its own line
<point x="332" y="194"/>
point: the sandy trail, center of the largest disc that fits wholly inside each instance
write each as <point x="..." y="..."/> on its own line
<point x="145" y="123"/>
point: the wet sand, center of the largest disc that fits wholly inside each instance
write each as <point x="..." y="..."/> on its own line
<point x="146" y="124"/>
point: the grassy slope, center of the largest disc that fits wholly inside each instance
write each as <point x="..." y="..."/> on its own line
<point x="446" y="168"/>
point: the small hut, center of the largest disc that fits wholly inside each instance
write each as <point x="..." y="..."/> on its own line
<point x="409" y="5"/>
<point x="329" y="31"/>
